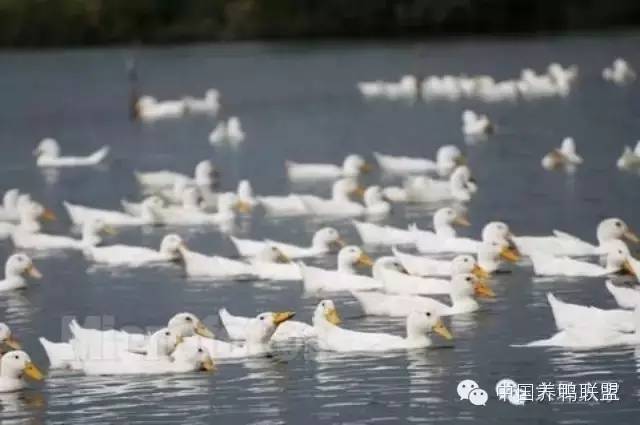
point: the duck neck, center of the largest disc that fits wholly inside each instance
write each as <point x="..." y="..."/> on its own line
<point x="444" y="230"/>
<point x="461" y="302"/>
<point x="488" y="261"/>
<point x="29" y="223"/>
<point x="346" y="266"/>
<point x="90" y="237"/>
<point x="416" y="337"/>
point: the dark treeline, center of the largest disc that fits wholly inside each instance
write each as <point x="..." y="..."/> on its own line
<point x="81" y="22"/>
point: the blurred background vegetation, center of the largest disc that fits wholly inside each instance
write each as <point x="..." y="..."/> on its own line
<point x="82" y="22"/>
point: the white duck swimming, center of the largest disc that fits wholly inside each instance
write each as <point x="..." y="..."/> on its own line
<point x="272" y="264"/>
<point x="237" y="328"/>
<point x="209" y="104"/>
<point x="48" y="155"/>
<point x="259" y="332"/>
<point x="419" y="324"/>
<point x="185" y="358"/>
<point x="375" y="204"/>
<point x="421" y="189"/>
<point x="112" y="359"/>
<point x="230" y="131"/>
<point x="448" y="158"/>
<point x="91" y="236"/>
<point x="352" y="166"/>
<point x="345" y="278"/>
<point x="7" y="338"/>
<point x="137" y="256"/>
<point x="620" y="72"/>
<point x="9" y="208"/>
<point x="566" y="156"/>
<point x="204" y="175"/>
<point x="565" y="244"/>
<point x="375" y="234"/>
<point x="197" y="265"/>
<point x="339" y="204"/>
<point x="190" y="213"/>
<point x="16" y="269"/>
<point x="107" y="343"/>
<point x="149" y="108"/>
<point x="14" y="365"/>
<point x="444" y="237"/>
<point x="463" y="288"/>
<point x="618" y="259"/>
<point x="628" y="298"/>
<point x="322" y="243"/>
<point x="149" y="214"/>
<point x="630" y="158"/>
<point x="474" y="124"/>
<point x="587" y="327"/>
<point x="30" y="213"/>
<point x="424" y="266"/>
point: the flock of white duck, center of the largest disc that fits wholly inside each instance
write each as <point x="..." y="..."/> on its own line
<point x="422" y="287"/>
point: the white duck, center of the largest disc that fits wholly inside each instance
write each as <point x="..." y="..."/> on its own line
<point x="419" y="324"/>
<point x="375" y="205"/>
<point x="259" y="332"/>
<point x="62" y="355"/>
<point x="149" y="214"/>
<point x="568" y="315"/>
<point x="565" y="244"/>
<point x="136" y="256"/>
<point x="272" y="264"/>
<point x="9" y="209"/>
<point x="14" y="365"/>
<point x="7" y="338"/>
<point x="474" y="124"/>
<point x="30" y="213"/>
<point x="591" y="328"/>
<point x="210" y="104"/>
<point x="230" y="131"/>
<point x="339" y="204"/>
<point x="345" y="278"/>
<point x="16" y="269"/>
<point x="618" y="259"/>
<point x="204" y="175"/>
<point x="322" y="243"/>
<point x="628" y="298"/>
<point x="463" y="288"/>
<point x="199" y="265"/>
<point x="135" y="208"/>
<point x="352" y="166"/>
<point x="185" y="358"/>
<point x="619" y="73"/>
<point x="237" y="328"/>
<point x="566" y="156"/>
<point x="191" y="213"/>
<point x="444" y="237"/>
<point x="91" y="236"/>
<point x="448" y="158"/>
<point x="111" y="359"/>
<point x="375" y="234"/>
<point x="424" y="266"/>
<point x="48" y="155"/>
<point x="149" y="108"/>
<point x="421" y="189"/>
<point x="630" y="158"/>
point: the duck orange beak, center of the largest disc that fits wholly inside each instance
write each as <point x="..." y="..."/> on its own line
<point x="282" y="317"/>
<point x="479" y="272"/>
<point x="631" y="236"/>
<point x="48" y="215"/>
<point x="442" y="330"/>
<point x="481" y="289"/>
<point x="510" y="254"/>
<point x="33" y="272"/>
<point x="462" y="221"/>
<point x="32" y="371"/>
<point x="333" y="317"/>
<point x="365" y="260"/>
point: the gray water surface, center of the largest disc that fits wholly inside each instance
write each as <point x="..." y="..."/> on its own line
<point x="299" y="102"/>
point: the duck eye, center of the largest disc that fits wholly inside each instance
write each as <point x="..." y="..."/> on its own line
<point x="167" y="334"/>
<point x="468" y="279"/>
<point x="188" y="319"/>
<point x="200" y="350"/>
<point x="322" y="304"/>
<point x="428" y="314"/>
<point x="17" y="357"/>
<point x="618" y="224"/>
<point x="261" y="317"/>
<point x="466" y="260"/>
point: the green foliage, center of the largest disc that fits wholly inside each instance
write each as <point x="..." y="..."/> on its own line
<point x="80" y="22"/>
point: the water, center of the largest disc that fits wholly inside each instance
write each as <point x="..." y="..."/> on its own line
<point x="299" y="102"/>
